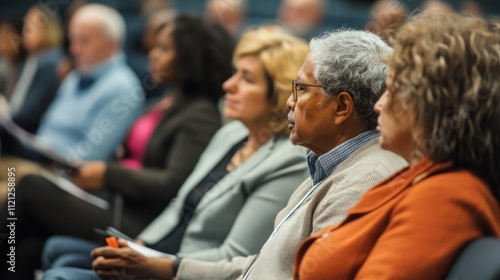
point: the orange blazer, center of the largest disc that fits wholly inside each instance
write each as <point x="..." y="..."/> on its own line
<point x="410" y="226"/>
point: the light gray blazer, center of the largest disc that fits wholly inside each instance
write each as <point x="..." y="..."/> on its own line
<point x="236" y="216"/>
<point x="327" y="206"/>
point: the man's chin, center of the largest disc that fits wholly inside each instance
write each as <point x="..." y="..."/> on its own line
<point x="293" y="139"/>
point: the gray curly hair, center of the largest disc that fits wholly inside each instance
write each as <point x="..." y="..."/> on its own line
<point x="352" y="61"/>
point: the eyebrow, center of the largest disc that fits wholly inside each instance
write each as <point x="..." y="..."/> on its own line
<point x="246" y="72"/>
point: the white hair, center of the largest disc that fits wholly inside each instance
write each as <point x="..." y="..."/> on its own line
<point x="113" y="22"/>
<point x="238" y="5"/>
<point x="352" y="61"/>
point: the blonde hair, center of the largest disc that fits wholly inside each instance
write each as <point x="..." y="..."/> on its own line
<point x="445" y="70"/>
<point x="282" y="56"/>
<point x="52" y="28"/>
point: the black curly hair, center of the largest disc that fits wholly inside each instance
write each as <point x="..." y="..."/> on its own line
<point x="203" y="59"/>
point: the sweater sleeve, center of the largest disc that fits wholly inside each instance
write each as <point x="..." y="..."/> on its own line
<point x="222" y="270"/>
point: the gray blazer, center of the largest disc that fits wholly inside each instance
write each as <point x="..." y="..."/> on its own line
<point x="236" y="216"/>
<point x="327" y="206"/>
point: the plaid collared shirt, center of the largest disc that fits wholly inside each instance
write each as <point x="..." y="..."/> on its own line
<point x="322" y="166"/>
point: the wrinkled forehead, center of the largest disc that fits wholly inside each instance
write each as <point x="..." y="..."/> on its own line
<point x="306" y="72"/>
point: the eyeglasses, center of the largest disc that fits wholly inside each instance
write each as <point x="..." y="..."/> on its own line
<point x="296" y="86"/>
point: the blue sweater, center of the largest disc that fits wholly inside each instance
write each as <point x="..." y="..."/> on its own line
<point x="88" y="122"/>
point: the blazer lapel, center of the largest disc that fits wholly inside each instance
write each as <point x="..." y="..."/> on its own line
<point x="237" y="175"/>
<point x="217" y="152"/>
<point x="160" y="129"/>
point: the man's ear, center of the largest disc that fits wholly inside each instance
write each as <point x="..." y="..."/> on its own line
<point x="345" y="107"/>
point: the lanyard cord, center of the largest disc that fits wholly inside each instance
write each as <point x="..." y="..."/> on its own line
<point x="307" y="195"/>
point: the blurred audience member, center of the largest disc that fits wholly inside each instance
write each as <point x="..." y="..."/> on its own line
<point x="386" y="16"/>
<point x="142" y="26"/>
<point x="149" y="7"/>
<point x="38" y="83"/>
<point x="142" y="45"/>
<point x="161" y="149"/>
<point x="471" y="8"/>
<point x="155" y="21"/>
<point x="12" y="54"/>
<point x="302" y="18"/>
<point x="231" y="14"/>
<point x="99" y="100"/>
<point x="440" y="112"/>
<point x="436" y="6"/>
<point x="67" y="63"/>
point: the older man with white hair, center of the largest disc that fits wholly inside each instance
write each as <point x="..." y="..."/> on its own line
<point x="99" y="100"/>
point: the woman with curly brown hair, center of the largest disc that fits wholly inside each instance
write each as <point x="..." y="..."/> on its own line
<point x="440" y="112"/>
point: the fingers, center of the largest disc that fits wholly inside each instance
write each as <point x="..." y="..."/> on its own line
<point x="107" y="274"/>
<point x="122" y="243"/>
<point x="102" y="273"/>
<point x="106" y="252"/>
<point x="111" y="274"/>
<point x="140" y="242"/>
<point x="101" y="263"/>
<point x="113" y="268"/>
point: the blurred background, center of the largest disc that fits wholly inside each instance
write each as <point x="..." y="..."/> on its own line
<point x="303" y="18"/>
<point x="350" y="13"/>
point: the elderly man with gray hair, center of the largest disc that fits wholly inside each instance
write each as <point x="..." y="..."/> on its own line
<point x="98" y="102"/>
<point x="331" y="114"/>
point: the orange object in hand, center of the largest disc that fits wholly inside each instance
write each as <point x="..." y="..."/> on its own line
<point x="112" y="242"/>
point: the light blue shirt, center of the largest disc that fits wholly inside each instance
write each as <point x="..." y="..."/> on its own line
<point x="322" y="166"/>
<point x="88" y="124"/>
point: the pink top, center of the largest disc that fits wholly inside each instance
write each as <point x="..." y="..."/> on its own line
<point x="138" y="138"/>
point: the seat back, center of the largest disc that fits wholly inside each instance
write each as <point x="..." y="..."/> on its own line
<point x="480" y="260"/>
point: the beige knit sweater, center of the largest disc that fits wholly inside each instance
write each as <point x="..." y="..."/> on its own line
<point x="328" y="205"/>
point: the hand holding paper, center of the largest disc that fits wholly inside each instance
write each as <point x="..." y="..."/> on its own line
<point x="112" y="263"/>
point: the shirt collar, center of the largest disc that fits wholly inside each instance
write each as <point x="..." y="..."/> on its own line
<point x="322" y="166"/>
